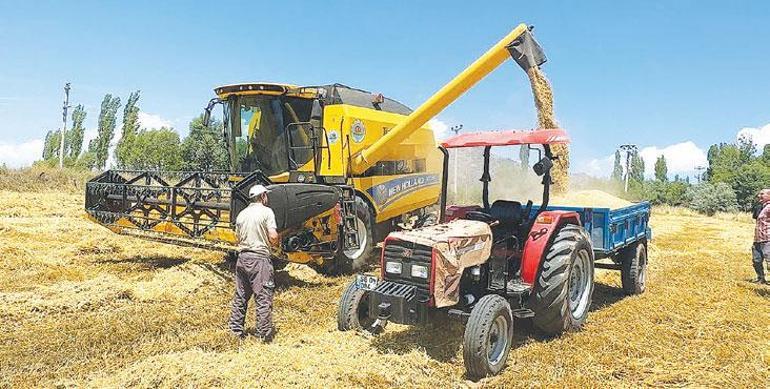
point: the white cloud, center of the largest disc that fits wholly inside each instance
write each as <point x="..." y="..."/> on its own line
<point x="681" y="158"/>
<point x="760" y="136"/>
<point x="21" y="154"/>
<point x="440" y="129"/>
<point x="149" y="121"/>
<point x="596" y="167"/>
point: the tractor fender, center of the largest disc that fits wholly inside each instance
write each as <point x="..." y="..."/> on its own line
<point x="538" y="238"/>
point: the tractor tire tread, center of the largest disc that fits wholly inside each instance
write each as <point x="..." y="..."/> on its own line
<point x="347" y="311"/>
<point x="552" y="315"/>
<point x="482" y="316"/>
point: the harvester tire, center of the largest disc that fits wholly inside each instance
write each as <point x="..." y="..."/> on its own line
<point x="633" y="272"/>
<point x="488" y="337"/>
<point x="353" y="310"/>
<point x="565" y="285"/>
<point x="351" y="261"/>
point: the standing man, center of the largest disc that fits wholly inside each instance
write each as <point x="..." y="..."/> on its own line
<point x="256" y="231"/>
<point x="760" y="251"/>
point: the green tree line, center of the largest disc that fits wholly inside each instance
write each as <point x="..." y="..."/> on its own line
<point x="138" y="148"/>
<point x="735" y="173"/>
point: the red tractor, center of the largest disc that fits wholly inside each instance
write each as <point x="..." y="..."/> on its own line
<point x="488" y="264"/>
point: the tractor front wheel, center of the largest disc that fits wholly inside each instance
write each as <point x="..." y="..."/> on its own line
<point x="353" y="310"/>
<point x="565" y="285"/>
<point x="488" y="337"/>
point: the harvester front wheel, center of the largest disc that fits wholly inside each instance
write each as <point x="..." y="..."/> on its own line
<point x="353" y="310"/>
<point x="565" y="285"/>
<point x="488" y="337"/>
<point x="354" y="260"/>
<point x="633" y="273"/>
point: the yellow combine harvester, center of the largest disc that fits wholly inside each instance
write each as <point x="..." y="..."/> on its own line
<point x="344" y="167"/>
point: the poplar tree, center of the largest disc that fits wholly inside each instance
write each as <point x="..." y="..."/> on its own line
<point x="105" y="130"/>
<point x="617" y="168"/>
<point x="125" y="150"/>
<point x="76" y="134"/>
<point x="661" y="169"/>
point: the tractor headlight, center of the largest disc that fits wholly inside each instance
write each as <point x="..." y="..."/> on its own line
<point x="419" y="271"/>
<point x="393" y="267"/>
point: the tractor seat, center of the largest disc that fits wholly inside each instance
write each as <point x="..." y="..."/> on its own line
<point x="508" y="213"/>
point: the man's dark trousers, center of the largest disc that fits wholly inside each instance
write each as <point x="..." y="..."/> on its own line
<point x="760" y="252"/>
<point x="253" y="276"/>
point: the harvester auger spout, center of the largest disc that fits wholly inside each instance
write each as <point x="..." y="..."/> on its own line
<point x="519" y="44"/>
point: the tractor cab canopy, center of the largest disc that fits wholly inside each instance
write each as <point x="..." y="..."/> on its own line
<point x="507" y="138"/>
<point x="502" y="210"/>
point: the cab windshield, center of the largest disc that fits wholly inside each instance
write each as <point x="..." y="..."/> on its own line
<point x="260" y="130"/>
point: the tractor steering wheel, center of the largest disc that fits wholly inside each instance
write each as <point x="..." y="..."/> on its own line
<point x="479" y="216"/>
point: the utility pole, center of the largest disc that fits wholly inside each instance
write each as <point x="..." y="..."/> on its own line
<point x="700" y="170"/>
<point x="456" y="129"/>
<point x="628" y="148"/>
<point x="64" y="123"/>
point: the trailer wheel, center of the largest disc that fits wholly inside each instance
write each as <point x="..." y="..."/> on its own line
<point x="488" y="337"/>
<point x="565" y="284"/>
<point x="353" y="310"/>
<point x="633" y="273"/>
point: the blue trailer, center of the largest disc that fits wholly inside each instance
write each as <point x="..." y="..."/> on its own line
<point x="613" y="230"/>
<point x="621" y="235"/>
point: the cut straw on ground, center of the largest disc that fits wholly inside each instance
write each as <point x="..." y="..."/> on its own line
<point x="84" y="307"/>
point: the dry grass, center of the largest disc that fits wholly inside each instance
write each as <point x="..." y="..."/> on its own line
<point x="81" y="306"/>
<point x="44" y="179"/>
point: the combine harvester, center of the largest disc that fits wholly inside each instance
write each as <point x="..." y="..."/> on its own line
<point x="489" y="263"/>
<point x="344" y="167"/>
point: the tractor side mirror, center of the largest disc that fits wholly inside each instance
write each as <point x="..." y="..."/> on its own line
<point x="543" y="166"/>
<point x="316" y="114"/>
<point x="207" y="111"/>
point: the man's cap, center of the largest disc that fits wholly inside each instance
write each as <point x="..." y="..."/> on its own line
<point x="257" y="190"/>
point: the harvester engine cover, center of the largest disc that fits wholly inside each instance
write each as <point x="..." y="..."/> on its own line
<point x="456" y="245"/>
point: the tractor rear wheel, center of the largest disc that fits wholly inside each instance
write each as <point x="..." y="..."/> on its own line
<point x="488" y="337"/>
<point x="353" y="309"/>
<point x="633" y="273"/>
<point x="565" y="285"/>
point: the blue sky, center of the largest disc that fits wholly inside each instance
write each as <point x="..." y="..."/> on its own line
<point x="658" y="74"/>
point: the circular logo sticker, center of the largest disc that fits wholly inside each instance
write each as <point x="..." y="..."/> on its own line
<point x="358" y="131"/>
<point x="333" y="136"/>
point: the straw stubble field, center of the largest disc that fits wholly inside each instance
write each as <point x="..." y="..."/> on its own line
<point x="81" y="306"/>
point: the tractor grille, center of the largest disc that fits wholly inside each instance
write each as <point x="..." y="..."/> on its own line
<point x="408" y="254"/>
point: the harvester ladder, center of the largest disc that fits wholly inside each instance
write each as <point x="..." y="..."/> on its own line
<point x="349" y="223"/>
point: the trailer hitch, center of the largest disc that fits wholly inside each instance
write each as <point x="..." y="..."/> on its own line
<point x="382" y="318"/>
